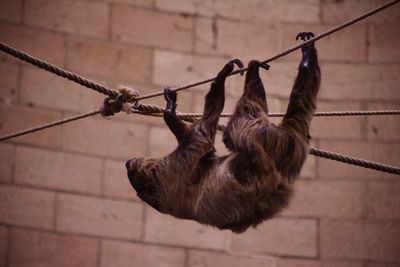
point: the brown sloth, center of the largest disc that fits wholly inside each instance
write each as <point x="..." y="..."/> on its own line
<point x="253" y="182"/>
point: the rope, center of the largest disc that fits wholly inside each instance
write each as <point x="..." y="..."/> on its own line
<point x="149" y="108"/>
<point x="287" y="51"/>
<point x="48" y="125"/>
<point x="112" y="93"/>
<point x="156" y="111"/>
<point x="354" y="161"/>
<point x="57" y="70"/>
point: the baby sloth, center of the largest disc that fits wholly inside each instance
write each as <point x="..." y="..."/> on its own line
<point x="253" y="182"/>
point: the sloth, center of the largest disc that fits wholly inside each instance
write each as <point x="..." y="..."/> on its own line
<point x="255" y="180"/>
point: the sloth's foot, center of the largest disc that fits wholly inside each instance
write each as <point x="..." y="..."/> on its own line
<point x="228" y="68"/>
<point x="170" y="97"/>
<point x="306" y="49"/>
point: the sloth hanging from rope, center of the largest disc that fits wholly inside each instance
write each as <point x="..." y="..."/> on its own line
<point x="253" y="182"/>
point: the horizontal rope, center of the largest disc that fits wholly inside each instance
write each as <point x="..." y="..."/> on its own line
<point x="157" y="111"/>
<point x="154" y="110"/>
<point x="312" y="151"/>
<point x="354" y="161"/>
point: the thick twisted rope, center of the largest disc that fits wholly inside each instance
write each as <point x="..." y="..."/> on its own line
<point x="57" y="70"/>
<point x="354" y="161"/>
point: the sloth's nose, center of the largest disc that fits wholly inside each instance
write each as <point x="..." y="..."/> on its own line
<point x="128" y="164"/>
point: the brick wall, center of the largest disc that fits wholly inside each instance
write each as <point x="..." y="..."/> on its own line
<point x="64" y="196"/>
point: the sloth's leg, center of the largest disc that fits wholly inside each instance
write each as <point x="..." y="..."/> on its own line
<point x="250" y="106"/>
<point x="215" y="100"/>
<point x="303" y="97"/>
<point x="175" y="124"/>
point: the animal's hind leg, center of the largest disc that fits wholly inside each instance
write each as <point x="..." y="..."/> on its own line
<point x="175" y="124"/>
<point x="250" y="106"/>
<point x="303" y="97"/>
<point x="215" y="100"/>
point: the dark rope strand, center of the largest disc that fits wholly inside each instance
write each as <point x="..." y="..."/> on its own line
<point x="48" y="125"/>
<point x="287" y="51"/>
<point x="354" y="161"/>
<point x="57" y="70"/>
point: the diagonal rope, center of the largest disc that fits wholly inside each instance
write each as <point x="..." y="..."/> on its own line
<point x="57" y="70"/>
<point x="287" y="51"/>
<point x="354" y="161"/>
<point x="112" y="93"/>
<point x="48" y="125"/>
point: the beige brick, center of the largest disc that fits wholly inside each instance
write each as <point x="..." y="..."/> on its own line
<point x="383" y="127"/>
<point x="359" y="81"/>
<point x="253" y="10"/>
<point x="360" y="241"/>
<point x="87" y="18"/>
<point x="338" y="127"/>
<point x="165" y="229"/>
<point x="106" y="138"/>
<point x="11" y="10"/>
<point x="347" y="45"/>
<point x="6" y="162"/>
<point x="383" y="200"/>
<point x="201" y="7"/>
<point x="155" y="29"/>
<point x="125" y="254"/>
<point x="375" y="264"/>
<point x="3" y="245"/>
<point x="41" y="44"/>
<point x="267" y="11"/>
<point x="237" y="39"/>
<point x="110" y="60"/>
<point x="116" y="183"/>
<point x="379" y="152"/>
<point x="8" y="83"/>
<point x="57" y="170"/>
<point x="340" y="11"/>
<point x="31" y="248"/>
<point x="20" y="118"/>
<point x="26" y="207"/>
<point x="187" y="68"/>
<point x="327" y="199"/>
<point x="384" y="42"/>
<point x="210" y="259"/>
<point x="309" y="169"/>
<point x="283" y="236"/>
<point x="162" y="142"/>
<point x="44" y="89"/>
<point x="278" y="81"/>
<point x="312" y="263"/>
<point x="142" y="3"/>
<point x="220" y="146"/>
<point x="99" y="217"/>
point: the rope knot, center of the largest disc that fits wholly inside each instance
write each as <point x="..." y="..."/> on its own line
<point x="122" y="102"/>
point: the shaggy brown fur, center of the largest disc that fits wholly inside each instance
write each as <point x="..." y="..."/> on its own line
<point x="254" y="181"/>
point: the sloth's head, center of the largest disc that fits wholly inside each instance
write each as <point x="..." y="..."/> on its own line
<point x="143" y="177"/>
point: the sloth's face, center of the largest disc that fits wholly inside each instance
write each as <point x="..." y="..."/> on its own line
<point x="142" y="176"/>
